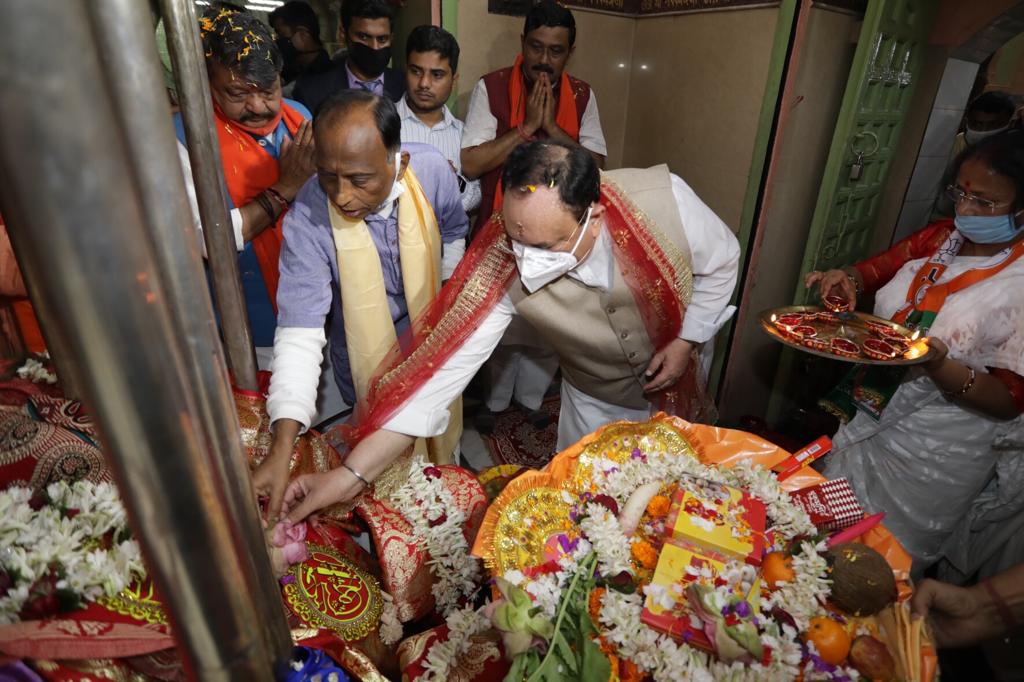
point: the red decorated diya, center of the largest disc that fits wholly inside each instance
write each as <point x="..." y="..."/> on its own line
<point x="804" y="331"/>
<point x="826" y="316"/>
<point x="880" y="328"/>
<point x="791" y="320"/>
<point x="836" y="304"/>
<point x="816" y="344"/>
<point x="880" y="350"/>
<point x="844" y="348"/>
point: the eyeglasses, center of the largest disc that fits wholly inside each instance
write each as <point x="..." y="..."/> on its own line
<point x="958" y="195"/>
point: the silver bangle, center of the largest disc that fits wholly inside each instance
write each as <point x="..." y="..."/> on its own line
<point x="356" y="474"/>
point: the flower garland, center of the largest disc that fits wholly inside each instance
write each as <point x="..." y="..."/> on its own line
<point x="390" y="625"/>
<point x="34" y="370"/>
<point x="64" y="548"/>
<point x="437" y="525"/>
<point x="463" y="624"/>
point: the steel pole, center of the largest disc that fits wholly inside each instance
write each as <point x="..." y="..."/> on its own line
<point x="78" y="212"/>
<point x="128" y="52"/>
<point x="189" y="62"/>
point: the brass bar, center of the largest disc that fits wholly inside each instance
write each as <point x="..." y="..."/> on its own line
<point x="128" y="51"/>
<point x="189" y="62"/>
<point x="77" y="209"/>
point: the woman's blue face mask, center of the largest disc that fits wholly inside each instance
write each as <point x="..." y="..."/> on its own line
<point x="988" y="229"/>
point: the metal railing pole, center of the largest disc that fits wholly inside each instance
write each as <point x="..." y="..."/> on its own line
<point x="72" y="198"/>
<point x="189" y="62"/>
<point x="127" y="47"/>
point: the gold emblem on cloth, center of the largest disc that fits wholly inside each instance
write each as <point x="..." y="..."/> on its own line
<point x="329" y="591"/>
<point x="137" y="601"/>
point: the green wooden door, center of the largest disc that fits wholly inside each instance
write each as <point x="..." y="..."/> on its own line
<point x="886" y="66"/>
<point x="885" y="70"/>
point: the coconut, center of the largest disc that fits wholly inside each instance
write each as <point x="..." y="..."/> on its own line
<point x="862" y="580"/>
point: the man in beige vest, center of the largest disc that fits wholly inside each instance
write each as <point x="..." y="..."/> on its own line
<point x="627" y="275"/>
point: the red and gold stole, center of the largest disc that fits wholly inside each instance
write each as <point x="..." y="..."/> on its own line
<point x="566" y="117"/>
<point x="248" y="170"/>
<point x="479" y="283"/>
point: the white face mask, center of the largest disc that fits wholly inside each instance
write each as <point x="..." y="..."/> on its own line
<point x="538" y="267"/>
<point x="396" y="189"/>
<point x="975" y="136"/>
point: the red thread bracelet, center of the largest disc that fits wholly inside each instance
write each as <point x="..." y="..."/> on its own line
<point x="279" y="198"/>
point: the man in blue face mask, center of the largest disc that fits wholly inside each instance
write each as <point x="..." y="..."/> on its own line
<point x="366" y="30"/>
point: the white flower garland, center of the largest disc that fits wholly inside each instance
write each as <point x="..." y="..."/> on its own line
<point x="34" y="542"/>
<point x="463" y="624"/>
<point x="421" y="500"/>
<point x="34" y="370"/>
<point x="612" y="546"/>
<point x="390" y="625"/>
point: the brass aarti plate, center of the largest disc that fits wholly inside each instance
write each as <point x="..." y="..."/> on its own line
<point x="832" y="331"/>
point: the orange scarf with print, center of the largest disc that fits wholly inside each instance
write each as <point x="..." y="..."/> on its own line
<point x="248" y="170"/>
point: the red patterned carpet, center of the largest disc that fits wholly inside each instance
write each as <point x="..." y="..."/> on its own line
<point x="516" y="441"/>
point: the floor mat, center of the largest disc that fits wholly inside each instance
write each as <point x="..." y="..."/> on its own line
<point x="516" y="441"/>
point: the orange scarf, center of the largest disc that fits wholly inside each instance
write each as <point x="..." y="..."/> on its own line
<point x="566" y="117"/>
<point x="927" y="298"/>
<point x="248" y="170"/>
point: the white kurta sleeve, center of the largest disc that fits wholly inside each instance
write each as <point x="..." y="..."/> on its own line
<point x="451" y="254"/>
<point x="295" y="374"/>
<point x="715" y="259"/>
<point x="481" y="125"/>
<point x="591" y="134"/>
<point x="190" y="190"/>
<point x="426" y="412"/>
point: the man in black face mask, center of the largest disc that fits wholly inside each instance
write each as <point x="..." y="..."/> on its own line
<point x="297" y="32"/>
<point x="366" y="29"/>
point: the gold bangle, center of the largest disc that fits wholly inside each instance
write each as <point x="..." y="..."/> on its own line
<point x="356" y="474"/>
<point x="971" y="376"/>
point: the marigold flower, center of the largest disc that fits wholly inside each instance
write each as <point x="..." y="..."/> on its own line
<point x="658" y="507"/>
<point x="644" y="554"/>
<point x="594" y="604"/>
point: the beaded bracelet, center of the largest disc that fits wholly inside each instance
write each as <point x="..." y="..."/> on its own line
<point x="267" y="207"/>
<point x="356" y="474"/>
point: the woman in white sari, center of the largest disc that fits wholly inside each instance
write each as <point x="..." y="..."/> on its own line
<point x="944" y="458"/>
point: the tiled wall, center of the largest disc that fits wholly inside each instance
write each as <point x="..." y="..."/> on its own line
<point x="943" y="123"/>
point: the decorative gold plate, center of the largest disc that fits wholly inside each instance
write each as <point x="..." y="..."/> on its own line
<point x="618" y="441"/>
<point x="852" y="326"/>
<point x="137" y="601"/>
<point x="530" y="510"/>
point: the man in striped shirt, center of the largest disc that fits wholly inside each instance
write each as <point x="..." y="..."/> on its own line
<point x="432" y="60"/>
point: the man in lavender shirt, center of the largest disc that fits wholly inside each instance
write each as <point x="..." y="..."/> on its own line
<point x="360" y="167"/>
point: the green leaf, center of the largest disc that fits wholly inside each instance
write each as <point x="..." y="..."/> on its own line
<point x="523" y="666"/>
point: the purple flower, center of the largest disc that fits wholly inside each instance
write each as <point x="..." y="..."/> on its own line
<point x="742" y="609"/>
<point x="636" y="454"/>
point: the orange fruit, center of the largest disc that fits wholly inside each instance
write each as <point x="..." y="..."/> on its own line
<point x="777" y="567"/>
<point x="830" y="639"/>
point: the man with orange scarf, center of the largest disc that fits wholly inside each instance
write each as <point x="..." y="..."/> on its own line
<point x="533" y="99"/>
<point x="627" y="275"/>
<point x="266" y="147"/>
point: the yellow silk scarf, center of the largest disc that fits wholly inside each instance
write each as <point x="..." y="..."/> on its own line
<point x="369" y="329"/>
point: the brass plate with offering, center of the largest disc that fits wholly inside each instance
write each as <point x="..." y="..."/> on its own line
<point x="845" y="335"/>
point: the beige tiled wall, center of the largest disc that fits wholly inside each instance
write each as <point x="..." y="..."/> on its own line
<point x="697" y="102"/>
